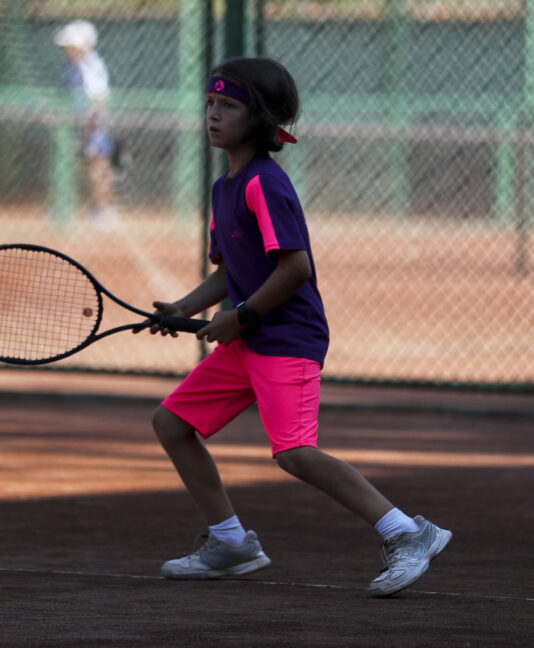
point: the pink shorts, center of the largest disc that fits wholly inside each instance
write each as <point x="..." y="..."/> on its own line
<point x="233" y="377"/>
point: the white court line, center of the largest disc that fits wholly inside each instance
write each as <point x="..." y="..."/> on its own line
<point x="71" y="572"/>
<point x="159" y="281"/>
<point x="67" y="572"/>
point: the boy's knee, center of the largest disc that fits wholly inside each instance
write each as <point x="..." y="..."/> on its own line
<point x="293" y="461"/>
<point x="159" y="418"/>
<point x="168" y="427"/>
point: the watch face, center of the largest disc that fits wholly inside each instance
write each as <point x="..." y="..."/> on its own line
<point x="247" y="316"/>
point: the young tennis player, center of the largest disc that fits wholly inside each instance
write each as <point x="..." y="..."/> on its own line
<point x="87" y="79"/>
<point x="271" y="345"/>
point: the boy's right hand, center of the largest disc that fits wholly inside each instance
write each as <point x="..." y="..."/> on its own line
<point x="164" y="308"/>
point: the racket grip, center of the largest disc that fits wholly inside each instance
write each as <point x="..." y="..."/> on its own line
<point x="181" y="323"/>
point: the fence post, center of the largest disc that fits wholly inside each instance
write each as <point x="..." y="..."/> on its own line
<point x="63" y="181"/>
<point x="234" y="45"/>
<point x="396" y="60"/>
<point x="521" y="261"/>
<point x="187" y="180"/>
<point x="234" y="32"/>
<point x="259" y="28"/>
<point x="206" y="168"/>
<point x="524" y="163"/>
<point x="206" y="164"/>
<point x="505" y="168"/>
<point x="13" y="41"/>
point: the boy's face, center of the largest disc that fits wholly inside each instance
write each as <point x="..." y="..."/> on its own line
<point x="227" y="122"/>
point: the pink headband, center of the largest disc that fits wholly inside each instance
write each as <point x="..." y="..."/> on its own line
<point x="228" y="88"/>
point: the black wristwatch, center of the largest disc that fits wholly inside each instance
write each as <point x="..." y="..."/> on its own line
<point x="247" y="317"/>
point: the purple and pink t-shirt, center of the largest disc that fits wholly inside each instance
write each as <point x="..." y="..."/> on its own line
<point x="254" y="213"/>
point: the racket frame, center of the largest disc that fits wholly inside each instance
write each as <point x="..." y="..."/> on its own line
<point x="182" y="324"/>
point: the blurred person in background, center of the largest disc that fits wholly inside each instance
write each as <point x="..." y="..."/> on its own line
<point x="87" y="78"/>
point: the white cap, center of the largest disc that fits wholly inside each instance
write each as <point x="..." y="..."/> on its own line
<point x="80" y="33"/>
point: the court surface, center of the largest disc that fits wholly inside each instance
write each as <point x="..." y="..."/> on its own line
<point x="90" y="508"/>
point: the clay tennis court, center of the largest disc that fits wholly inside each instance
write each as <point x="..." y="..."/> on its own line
<point x="426" y="301"/>
<point x="90" y="507"/>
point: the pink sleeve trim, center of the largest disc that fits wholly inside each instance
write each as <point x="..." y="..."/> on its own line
<point x="256" y="203"/>
<point x="218" y="258"/>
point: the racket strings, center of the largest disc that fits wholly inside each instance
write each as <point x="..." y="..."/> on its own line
<point x="48" y="306"/>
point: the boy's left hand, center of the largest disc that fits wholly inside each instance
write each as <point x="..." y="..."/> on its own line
<point x="223" y="328"/>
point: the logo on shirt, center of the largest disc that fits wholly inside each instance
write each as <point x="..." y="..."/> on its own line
<point x="236" y="234"/>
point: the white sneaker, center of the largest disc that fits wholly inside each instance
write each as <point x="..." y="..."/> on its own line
<point x="407" y="556"/>
<point x="217" y="559"/>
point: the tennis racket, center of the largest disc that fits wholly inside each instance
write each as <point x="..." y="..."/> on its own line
<point x="51" y="307"/>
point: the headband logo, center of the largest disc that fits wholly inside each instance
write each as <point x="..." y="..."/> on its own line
<point x="219" y="86"/>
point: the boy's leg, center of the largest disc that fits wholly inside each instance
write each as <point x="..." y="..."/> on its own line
<point x="288" y="398"/>
<point x="212" y="395"/>
<point x="288" y="393"/>
<point x="336" y="478"/>
<point x="408" y="554"/>
<point x="101" y="186"/>
<point x="194" y="464"/>
<point x="215" y="559"/>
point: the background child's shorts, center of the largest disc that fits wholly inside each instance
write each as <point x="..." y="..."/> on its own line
<point x="99" y="144"/>
<point x="233" y="377"/>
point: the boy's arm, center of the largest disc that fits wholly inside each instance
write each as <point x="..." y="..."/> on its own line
<point x="211" y="291"/>
<point x="292" y="271"/>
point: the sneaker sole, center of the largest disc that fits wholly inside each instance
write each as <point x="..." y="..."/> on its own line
<point x="243" y="569"/>
<point x="442" y="540"/>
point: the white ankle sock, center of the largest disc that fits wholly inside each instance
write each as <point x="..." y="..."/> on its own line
<point x="229" y="531"/>
<point x="395" y="522"/>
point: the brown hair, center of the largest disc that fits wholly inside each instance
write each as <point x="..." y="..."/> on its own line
<point x="274" y="98"/>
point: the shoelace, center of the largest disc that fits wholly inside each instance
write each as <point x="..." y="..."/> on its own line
<point x="391" y="552"/>
<point x="198" y="544"/>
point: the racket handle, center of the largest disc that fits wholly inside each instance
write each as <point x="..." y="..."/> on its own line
<point x="181" y="323"/>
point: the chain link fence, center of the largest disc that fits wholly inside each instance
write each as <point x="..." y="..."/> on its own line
<point x="413" y="165"/>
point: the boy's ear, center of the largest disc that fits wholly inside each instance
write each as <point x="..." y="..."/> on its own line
<point x="253" y="126"/>
<point x="262" y="130"/>
<point x="254" y="122"/>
